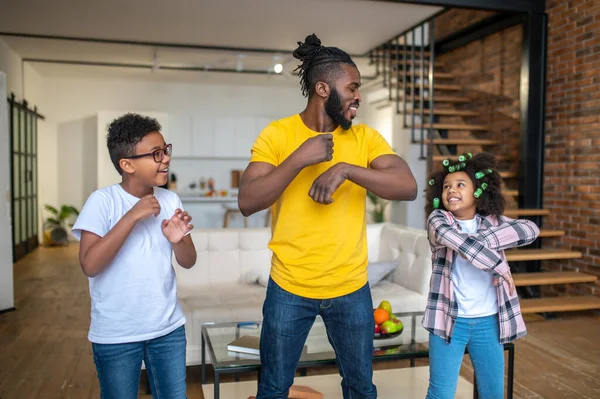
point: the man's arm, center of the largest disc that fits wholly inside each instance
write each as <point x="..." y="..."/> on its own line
<point x="263" y="183"/>
<point x="388" y="177"/>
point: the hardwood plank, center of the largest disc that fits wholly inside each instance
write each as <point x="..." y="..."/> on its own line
<point x="456" y="126"/>
<point x="440" y="158"/>
<point x="551" y="233"/>
<point x="436" y="98"/>
<point x="53" y="315"/>
<point x="447" y="112"/>
<point x="508" y="174"/>
<point x="436" y="86"/>
<point x="514" y="255"/>
<point x="548" y="278"/>
<point x="515" y="212"/>
<point x="464" y="141"/>
<point x="559" y="304"/>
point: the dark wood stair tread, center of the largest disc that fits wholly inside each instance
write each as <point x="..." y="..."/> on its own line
<point x="452" y="158"/>
<point x="436" y="86"/>
<point x="514" y="255"/>
<point x="445" y="112"/>
<point x="440" y="99"/>
<point x="455" y="126"/>
<point x="559" y="304"/>
<point x="463" y="141"/>
<point x="551" y="233"/>
<point x="516" y="212"/>
<point x="549" y="278"/>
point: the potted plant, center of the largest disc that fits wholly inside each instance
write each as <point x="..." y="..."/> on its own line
<point x="379" y="206"/>
<point x="55" y="232"/>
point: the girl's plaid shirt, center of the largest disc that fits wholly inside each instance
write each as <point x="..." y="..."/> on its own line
<point x="485" y="250"/>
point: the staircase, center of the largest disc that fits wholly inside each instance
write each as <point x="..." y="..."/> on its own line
<point x="435" y="109"/>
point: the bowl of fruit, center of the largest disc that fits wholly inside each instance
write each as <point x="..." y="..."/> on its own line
<point x="387" y="325"/>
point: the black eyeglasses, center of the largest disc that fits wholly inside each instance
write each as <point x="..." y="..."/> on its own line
<point x="158" y="155"/>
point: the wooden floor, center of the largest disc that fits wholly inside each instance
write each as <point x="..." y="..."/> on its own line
<point x="44" y="351"/>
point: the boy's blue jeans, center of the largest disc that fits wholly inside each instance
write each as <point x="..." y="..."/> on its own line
<point x="482" y="337"/>
<point x="287" y="320"/>
<point x="119" y="367"/>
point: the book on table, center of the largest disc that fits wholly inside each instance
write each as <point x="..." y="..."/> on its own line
<point x="245" y="344"/>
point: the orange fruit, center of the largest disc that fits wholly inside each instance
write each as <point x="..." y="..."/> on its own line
<point x="381" y="316"/>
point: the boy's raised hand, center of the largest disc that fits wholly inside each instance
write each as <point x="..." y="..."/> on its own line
<point x="145" y="207"/>
<point x="178" y="226"/>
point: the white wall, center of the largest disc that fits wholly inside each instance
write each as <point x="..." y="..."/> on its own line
<point x="75" y="101"/>
<point x="10" y="80"/>
<point x="6" y="268"/>
<point x="390" y="125"/>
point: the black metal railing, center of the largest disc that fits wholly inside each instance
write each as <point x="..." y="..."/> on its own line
<point x="401" y="62"/>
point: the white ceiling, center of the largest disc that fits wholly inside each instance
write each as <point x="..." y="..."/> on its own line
<point x="353" y="25"/>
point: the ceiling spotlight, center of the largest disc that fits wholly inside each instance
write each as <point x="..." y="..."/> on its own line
<point x="277" y="68"/>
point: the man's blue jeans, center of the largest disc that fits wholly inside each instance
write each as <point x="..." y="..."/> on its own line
<point x="482" y="337"/>
<point x="287" y="320"/>
<point x="119" y="366"/>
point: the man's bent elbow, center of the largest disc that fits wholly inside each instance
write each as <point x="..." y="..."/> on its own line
<point x="244" y="207"/>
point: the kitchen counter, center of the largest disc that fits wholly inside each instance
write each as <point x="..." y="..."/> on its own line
<point x="209" y="212"/>
<point x="198" y="198"/>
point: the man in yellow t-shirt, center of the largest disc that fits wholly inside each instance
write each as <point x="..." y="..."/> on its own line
<point x="318" y="198"/>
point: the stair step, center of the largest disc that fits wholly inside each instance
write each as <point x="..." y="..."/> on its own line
<point x="440" y="158"/>
<point x="445" y="112"/>
<point x="515" y="255"/>
<point x="436" y="86"/>
<point x="551" y="233"/>
<point x="437" y="99"/>
<point x="455" y="126"/>
<point x="549" y="278"/>
<point x="506" y="174"/>
<point x="463" y="141"/>
<point x="559" y="304"/>
<point x="516" y="212"/>
<point x="510" y="193"/>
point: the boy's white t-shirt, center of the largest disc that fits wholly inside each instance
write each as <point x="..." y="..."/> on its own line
<point x="135" y="297"/>
<point x="473" y="288"/>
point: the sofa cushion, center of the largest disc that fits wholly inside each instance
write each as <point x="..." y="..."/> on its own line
<point x="380" y="270"/>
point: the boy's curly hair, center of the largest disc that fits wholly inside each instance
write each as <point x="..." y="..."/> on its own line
<point x="491" y="202"/>
<point x="125" y="132"/>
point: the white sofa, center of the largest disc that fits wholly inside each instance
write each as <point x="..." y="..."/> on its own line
<point x="214" y="289"/>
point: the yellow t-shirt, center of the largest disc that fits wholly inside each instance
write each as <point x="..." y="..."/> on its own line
<point x="319" y="251"/>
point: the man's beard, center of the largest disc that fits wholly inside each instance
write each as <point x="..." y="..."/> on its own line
<point x="334" y="107"/>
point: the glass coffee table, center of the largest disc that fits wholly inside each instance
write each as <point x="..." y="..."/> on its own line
<point x="411" y="344"/>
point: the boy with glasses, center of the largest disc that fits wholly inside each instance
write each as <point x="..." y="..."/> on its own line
<point x="128" y="232"/>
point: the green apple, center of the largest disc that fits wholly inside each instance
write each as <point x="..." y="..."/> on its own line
<point x="385" y="305"/>
<point x="398" y="324"/>
<point x="388" y="327"/>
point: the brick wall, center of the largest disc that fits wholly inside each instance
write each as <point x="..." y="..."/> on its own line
<point x="572" y="181"/>
<point x="489" y="72"/>
<point x="458" y="19"/>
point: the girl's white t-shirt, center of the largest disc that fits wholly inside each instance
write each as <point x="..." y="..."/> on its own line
<point x="135" y="297"/>
<point x="473" y="288"/>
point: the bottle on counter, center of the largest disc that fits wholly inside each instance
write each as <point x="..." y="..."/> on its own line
<point x="202" y="183"/>
<point x="172" y="184"/>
